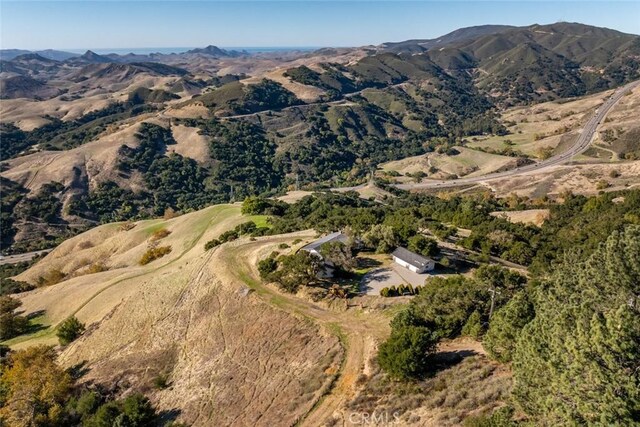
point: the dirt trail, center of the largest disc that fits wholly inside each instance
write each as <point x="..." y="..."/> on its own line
<point x="356" y="329"/>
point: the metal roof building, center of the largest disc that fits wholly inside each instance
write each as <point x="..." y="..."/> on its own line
<point x="338" y="236"/>
<point x="413" y="261"/>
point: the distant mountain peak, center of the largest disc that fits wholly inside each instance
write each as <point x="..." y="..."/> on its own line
<point x="210" y="50"/>
<point x="33" y="57"/>
<point x="93" y="57"/>
<point x="216" y="51"/>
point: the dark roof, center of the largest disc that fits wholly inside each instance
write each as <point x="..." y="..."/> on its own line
<point x="333" y="237"/>
<point x="411" y="258"/>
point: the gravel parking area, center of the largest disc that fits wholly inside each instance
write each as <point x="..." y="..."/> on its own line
<point x="393" y="275"/>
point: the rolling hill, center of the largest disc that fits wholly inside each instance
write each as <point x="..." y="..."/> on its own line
<point x="323" y="118"/>
<point x="233" y="358"/>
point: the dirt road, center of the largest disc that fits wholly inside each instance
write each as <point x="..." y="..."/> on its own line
<point x="357" y="330"/>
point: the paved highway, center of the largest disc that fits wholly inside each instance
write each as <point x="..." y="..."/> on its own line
<point x="28" y="256"/>
<point x="581" y="145"/>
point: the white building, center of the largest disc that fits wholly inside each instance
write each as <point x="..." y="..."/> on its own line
<point x="413" y="261"/>
<point x="314" y="247"/>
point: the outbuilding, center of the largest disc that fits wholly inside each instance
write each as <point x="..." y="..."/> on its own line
<point x="413" y="261"/>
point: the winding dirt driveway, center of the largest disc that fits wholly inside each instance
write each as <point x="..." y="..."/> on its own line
<point x="358" y="331"/>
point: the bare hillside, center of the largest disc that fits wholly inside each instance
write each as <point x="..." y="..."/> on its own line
<point x="231" y="358"/>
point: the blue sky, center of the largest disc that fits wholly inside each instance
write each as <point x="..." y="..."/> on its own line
<point x="115" y="24"/>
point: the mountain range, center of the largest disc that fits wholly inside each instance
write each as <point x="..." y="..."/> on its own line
<point x="271" y="119"/>
<point x="179" y="198"/>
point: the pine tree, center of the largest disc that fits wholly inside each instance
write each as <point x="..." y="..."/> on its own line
<point x="577" y="361"/>
<point x="505" y="326"/>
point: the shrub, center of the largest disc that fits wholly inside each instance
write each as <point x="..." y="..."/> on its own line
<point x="10" y="286"/>
<point x="254" y="205"/>
<point x="70" y="329"/>
<point x="135" y="410"/>
<point x="283" y="246"/>
<point x="159" y="234"/>
<point x="87" y="403"/>
<point x="51" y="278"/>
<point x="246" y="228"/>
<point x="96" y="268"/>
<point x="154" y="253"/>
<point x="161" y="381"/>
<point x="445" y="304"/>
<point x="212" y="244"/>
<point x="404" y="355"/>
<point x="228" y="236"/>
<point x="170" y="213"/>
<point x="501" y="417"/>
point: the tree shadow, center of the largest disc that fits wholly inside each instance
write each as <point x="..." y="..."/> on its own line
<point x="448" y="359"/>
<point x="35" y="314"/>
<point x="78" y="370"/>
<point x="365" y="262"/>
<point x="34" y="327"/>
<point x="375" y="276"/>
<point x="168" y="416"/>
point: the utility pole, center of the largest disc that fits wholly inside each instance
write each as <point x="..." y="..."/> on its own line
<point x="493" y="300"/>
<point x="297" y="181"/>
<point x="231" y="200"/>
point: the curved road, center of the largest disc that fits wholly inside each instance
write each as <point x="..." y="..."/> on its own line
<point x="581" y="145"/>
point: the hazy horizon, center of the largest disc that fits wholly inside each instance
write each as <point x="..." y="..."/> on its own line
<point x="172" y="49"/>
<point x="112" y="25"/>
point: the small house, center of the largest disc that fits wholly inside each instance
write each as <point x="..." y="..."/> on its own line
<point x="413" y="261"/>
<point x="314" y="247"/>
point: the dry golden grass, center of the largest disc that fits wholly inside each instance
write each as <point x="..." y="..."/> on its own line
<point x="190" y="143"/>
<point x="542" y="125"/>
<point x="468" y="162"/>
<point x="531" y="216"/>
<point x="460" y="386"/>
<point x="577" y="178"/>
<point x="230" y="357"/>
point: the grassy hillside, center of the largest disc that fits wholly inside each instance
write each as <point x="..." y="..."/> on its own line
<point x="184" y="313"/>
